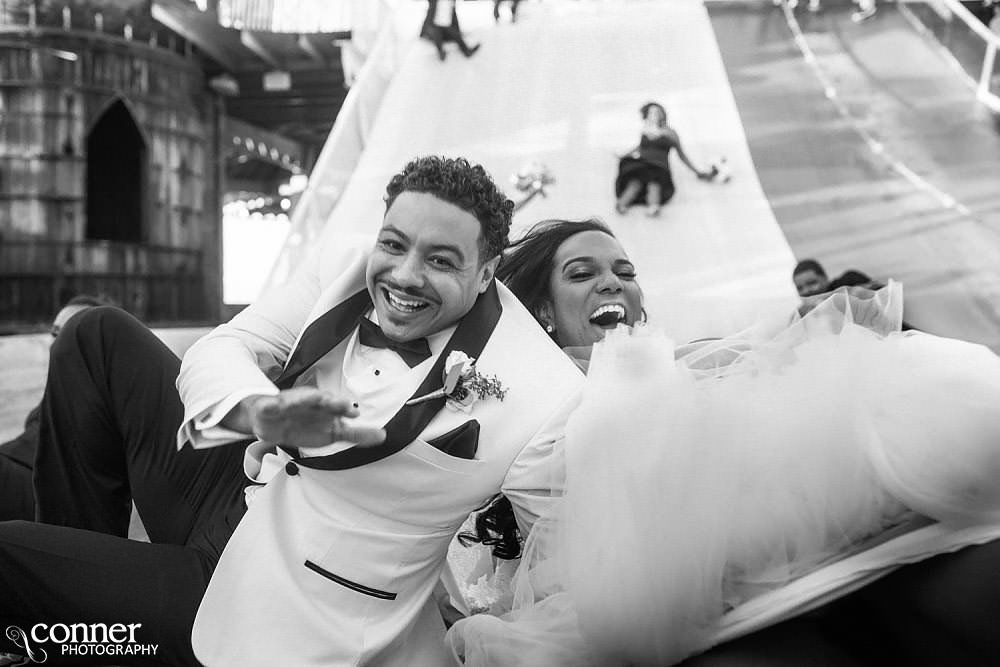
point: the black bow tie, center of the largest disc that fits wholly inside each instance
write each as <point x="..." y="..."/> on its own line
<point x="412" y="351"/>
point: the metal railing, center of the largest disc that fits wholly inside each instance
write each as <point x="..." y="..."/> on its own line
<point x="971" y="44"/>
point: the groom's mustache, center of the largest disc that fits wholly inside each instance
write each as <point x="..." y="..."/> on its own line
<point x="408" y="291"/>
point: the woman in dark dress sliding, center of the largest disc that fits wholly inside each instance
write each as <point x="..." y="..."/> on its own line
<point x="644" y="173"/>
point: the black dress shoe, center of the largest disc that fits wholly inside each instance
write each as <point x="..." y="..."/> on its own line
<point x="471" y="51"/>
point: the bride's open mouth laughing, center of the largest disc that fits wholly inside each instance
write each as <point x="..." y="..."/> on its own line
<point x="609" y="315"/>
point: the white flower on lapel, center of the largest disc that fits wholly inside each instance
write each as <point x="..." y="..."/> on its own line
<point x="459" y="369"/>
<point x="462" y="384"/>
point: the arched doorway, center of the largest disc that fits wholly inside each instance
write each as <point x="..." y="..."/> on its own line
<point x="116" y="167"/>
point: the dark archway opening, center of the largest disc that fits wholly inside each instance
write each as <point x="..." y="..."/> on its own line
<point x="116" y="165"/>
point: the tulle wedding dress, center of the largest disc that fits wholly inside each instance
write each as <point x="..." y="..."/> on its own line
<point x="718" y="488"/>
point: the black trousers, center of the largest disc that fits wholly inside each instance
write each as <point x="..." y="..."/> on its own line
<point x="942" y="611"/>
<point x="17" y="500"/>
<point x="513" y="9"/>
<point x="439" y="34"/>
<point x="107" y="436"/>
<point x="17" y="460"/>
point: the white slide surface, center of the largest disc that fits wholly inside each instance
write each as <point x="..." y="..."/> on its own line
<point x="563" y="87"/>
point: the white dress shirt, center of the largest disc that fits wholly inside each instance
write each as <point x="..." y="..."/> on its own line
<point x="369" y="377"/>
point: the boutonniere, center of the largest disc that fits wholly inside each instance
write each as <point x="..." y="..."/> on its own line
<point x="463" y="385"/>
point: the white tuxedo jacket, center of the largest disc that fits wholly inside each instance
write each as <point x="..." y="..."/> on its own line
<point x="337" y="567"/>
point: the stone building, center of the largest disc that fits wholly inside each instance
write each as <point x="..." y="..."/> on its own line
<point x="118" y="137"/>
<point x="109" y="146"/>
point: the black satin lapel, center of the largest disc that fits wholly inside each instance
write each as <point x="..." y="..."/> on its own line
<point x="323" y="335"/>
<point x="470" y="337"/>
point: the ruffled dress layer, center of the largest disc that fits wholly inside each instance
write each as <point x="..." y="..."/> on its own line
<point x="728" y="485"/>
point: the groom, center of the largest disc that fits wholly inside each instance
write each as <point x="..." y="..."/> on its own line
<point x="385" y="393"/>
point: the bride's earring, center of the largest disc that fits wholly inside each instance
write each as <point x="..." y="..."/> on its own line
<point x="544" y="315"/>
<point x="550" y="329"/>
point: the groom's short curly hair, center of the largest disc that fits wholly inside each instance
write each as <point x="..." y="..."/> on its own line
<point x="465" y="185"/>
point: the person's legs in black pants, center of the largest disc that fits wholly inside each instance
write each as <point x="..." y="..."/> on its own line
<point x="435" y="33"/>
<point x="17" y="458"/>
<point x="513" y="10"/>
<point x="453" y="33"/>
<point x="16" y="497"/>
<point x="109" y="419"/>
<point x="52" y="574"/>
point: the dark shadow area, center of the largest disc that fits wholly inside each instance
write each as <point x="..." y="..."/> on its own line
<point x="116" y="162"/>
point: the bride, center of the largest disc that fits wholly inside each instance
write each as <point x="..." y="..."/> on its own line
<point x="732" y="485"/>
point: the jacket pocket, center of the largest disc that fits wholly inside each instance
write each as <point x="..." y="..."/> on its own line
<point x="347" y="583"/>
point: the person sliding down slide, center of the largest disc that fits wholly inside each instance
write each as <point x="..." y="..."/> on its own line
<point x="644" y="173"/>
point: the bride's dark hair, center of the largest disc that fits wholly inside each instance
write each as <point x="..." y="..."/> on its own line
<point x="528" y="262"/>
<point x="496" y="527"/>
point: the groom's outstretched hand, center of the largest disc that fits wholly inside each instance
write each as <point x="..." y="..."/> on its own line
<point x="307" y="417"/>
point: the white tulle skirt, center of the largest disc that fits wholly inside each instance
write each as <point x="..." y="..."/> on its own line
<point x="696" y="484"/>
